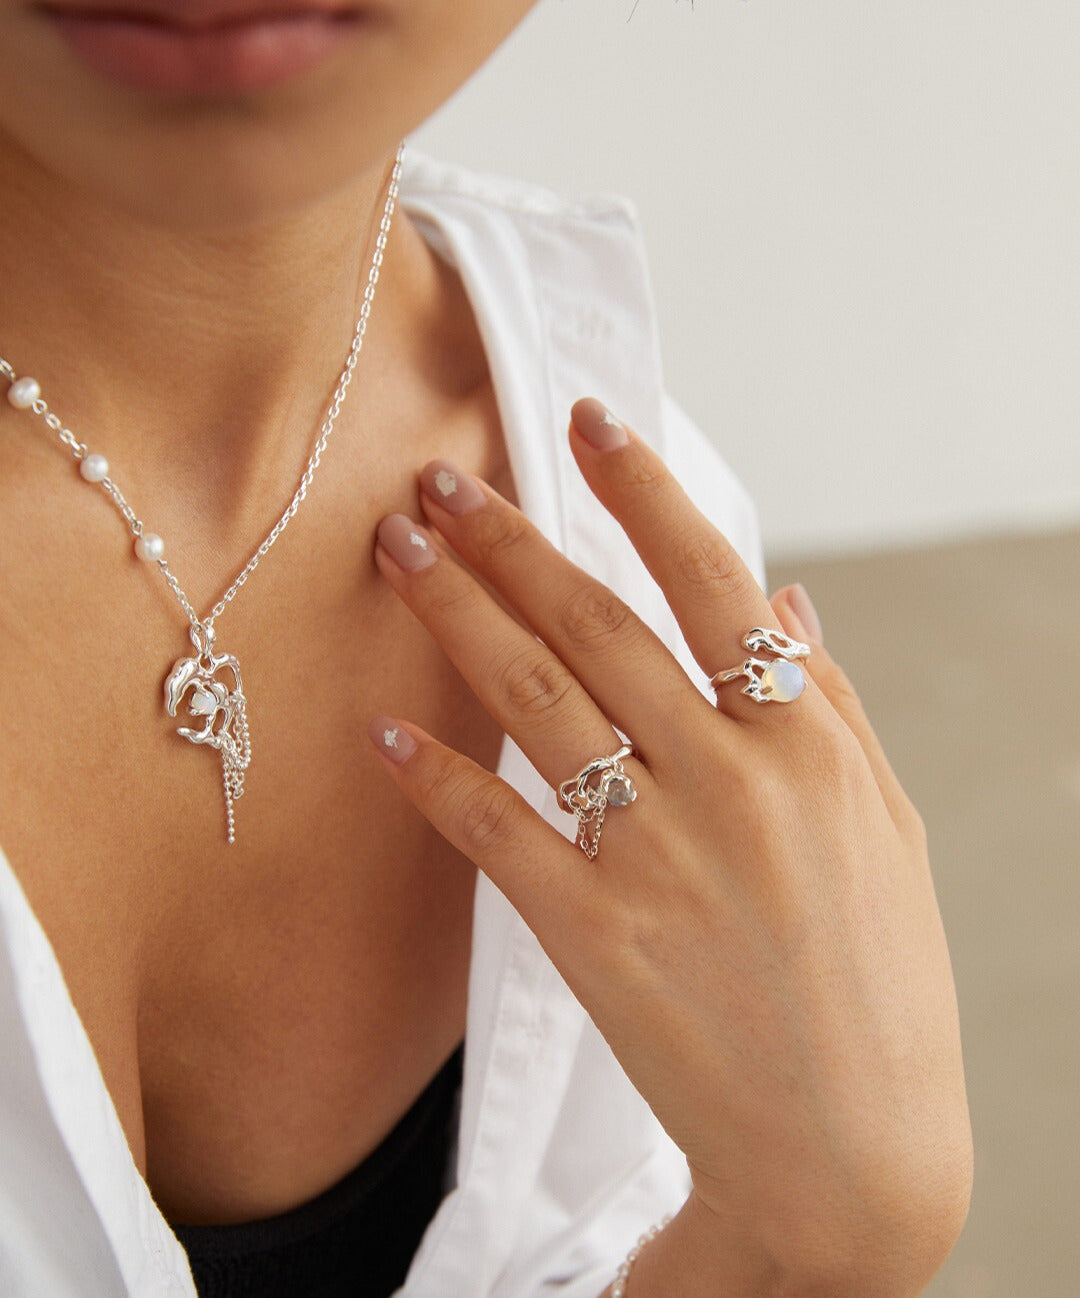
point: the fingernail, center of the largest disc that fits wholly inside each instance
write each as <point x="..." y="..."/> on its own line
<point x="807" y="613"/>
<point x="391" y="739"/>
<point x="406" y="542"/>
<point x="451" y="487"/>
<point x="595" y="422"/>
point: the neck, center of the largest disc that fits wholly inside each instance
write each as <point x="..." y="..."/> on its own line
<point x="200" y="363"/>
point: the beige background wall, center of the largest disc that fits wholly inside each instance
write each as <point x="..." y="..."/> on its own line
<point x="863" y="220"/>
<point x="938" y="642"/>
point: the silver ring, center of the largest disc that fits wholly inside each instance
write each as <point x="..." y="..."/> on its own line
<point x="588" y="798"/>
<point x="768" y="680"/>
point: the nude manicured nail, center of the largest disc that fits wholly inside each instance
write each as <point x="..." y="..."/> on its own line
<point x="391" y="739"/>
<point x="806" y="612"/>
<point x="595" y="422"/>
<point x="406" y="542"/>
<point x="451" y="487"/>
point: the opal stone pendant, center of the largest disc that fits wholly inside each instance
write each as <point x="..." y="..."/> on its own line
<point x="219" y="705"/>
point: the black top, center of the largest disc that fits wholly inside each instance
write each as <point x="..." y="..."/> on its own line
<point x="356" y="1239"/>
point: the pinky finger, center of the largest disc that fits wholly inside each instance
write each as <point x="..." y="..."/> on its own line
<point x="531" y="863"/>
<point x="836" y="685"/>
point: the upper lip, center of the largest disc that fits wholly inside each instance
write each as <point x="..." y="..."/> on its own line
<point x="200" y="13"/>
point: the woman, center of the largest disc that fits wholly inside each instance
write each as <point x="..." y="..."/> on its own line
<point x="701" y="986"/>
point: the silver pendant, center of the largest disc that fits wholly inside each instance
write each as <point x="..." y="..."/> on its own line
<point x="221" y="708"/>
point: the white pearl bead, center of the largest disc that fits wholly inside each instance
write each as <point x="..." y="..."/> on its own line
<point x="23" y="393"/>
<point x="150" y="546"/>
<point x="94" y="468"/>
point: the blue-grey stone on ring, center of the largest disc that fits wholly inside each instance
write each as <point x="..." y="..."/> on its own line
<point x="620" y="789"/>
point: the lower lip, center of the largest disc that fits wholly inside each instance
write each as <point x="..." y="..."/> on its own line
<point x="234" y="58"/>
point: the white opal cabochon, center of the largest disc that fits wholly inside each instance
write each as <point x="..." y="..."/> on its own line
<point x="782" y="681"/>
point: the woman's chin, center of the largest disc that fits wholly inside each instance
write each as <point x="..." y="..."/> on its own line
<point x="208" y="115"/>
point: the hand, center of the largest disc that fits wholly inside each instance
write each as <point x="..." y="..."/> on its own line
<point x="758" y="939"/>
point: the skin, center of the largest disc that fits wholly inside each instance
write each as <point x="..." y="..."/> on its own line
<point x="184" y="280"/>
<point x="219" y="262"/>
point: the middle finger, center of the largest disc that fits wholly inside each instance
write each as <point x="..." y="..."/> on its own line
<point x="620" y="660"/>
<point x="534" y="697"/>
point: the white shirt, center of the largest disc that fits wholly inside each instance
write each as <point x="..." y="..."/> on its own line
<point x="558" y="1164"/>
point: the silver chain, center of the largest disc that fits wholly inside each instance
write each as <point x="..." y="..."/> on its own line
<point x="80" y="450"/>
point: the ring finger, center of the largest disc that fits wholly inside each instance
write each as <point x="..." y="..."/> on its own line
<point x="712" y="593"/>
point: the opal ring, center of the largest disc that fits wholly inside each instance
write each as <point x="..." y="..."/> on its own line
<point x="769" y="680"/>
<point x="603" y="782"/>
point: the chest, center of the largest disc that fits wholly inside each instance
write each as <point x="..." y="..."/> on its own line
<point x="263" y="1011"/>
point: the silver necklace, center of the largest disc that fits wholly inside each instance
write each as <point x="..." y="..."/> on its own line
<point x="218" y="707"/>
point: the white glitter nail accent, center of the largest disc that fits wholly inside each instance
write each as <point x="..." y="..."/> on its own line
<point x="446" y="482"/>
<point x="418" y="540"/>
<point x="389" y="738"/>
